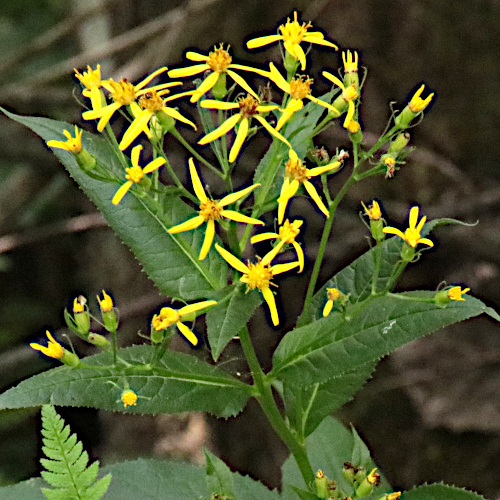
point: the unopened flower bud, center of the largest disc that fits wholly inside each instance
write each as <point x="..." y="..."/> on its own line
<point x="108" y="313"/>
<point x="219" y="90"/>
<point x="391" y="496"/>
<point x="85" y="160"/>
<point x="81" y="315"/>
<point x="443" y="297"/>
<point x="167" y="122"/>
<point x="400" y="142"/>
<point x="414" y="108"/>
<point x="321" y="484"/>
<point x="348" y="472"/>
<point x="367" y="485"/>
<point x="99" y="341"/>
<point x="407" y="252"/>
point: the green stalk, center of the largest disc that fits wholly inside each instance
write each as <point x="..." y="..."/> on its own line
<point x="268" y="404"/>
<point x="396" y="273"/>
<point x="377" y="262"/>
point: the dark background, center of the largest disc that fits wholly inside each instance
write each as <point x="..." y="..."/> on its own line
<point x="431" y="412"/>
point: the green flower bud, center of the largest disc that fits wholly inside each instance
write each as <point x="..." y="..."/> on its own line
<point x="291" y="64"/>
<point x="108" y="312"/>
<point x="219" y="90"/>
<point x="399" y="142"/>
<point x="407" y="252"/>
<point x="70" y="359"/>
<point x="167" y="122"/>
<point x="348" y="472"/>
<point x="85" y="160"/>
<point x="99" y="341"/>
<point x="321" y="484"/>
<point x="366" y="486"/>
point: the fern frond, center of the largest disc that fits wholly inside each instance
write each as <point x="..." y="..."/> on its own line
<point x="66" y="463"/>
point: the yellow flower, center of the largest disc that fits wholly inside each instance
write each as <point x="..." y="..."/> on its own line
<point x="412" y="234"/>
<point x="106" y="303"/>
<point x="374" y="212"/>
<point x="299" y="88"/>
<point x="259" y="275"/>
<point x="287" y="234"/>
<point x="211" y="210"/>
<point x="128" y="398"/>
<point x="135" y="173"/>
<point x="292" y="33"/>
<point x="73" y="144"/>
<point x="350" y="63"/>
<point x="295" y="175"/>
<point x="418" y="104"/>
<point x="169" y="316"/>
<point x="456" y="292"/>
<point x="349" y="94"/>
<point x="79" y="304"/>
<point x="332" y="294"/>
<point x="91" y="80"/>
<point x="218" y="62"/>
<point x="123" y="93"/>
<point x="151" y="103"/>
<point x="53" y="349"/>
<point x="373" y="477"/>
<point x="249" y="108"/>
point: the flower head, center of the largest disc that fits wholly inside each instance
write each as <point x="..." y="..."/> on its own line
<point x="287" y="234"/>
<point x="53" y="349"/>
<point x="106" y="303"/>
<point x="249" y="108"/>
<point x="217" y="62"/>
<point x="135" y="173"/>
<point x="412" y="235"/>
<point x="332" y="294"/>
<point x="295" y="175"/>
<point x="168" y="317"/>
<point x="350" y="62"/>
<point x="128" y="398"/>
<point x="91" y="80"/>
<point x="292" y="34"/>
<point x="349" y="95"/>
<point x="418" y="104"/>
<point x="211" y="210"/>
<point x="373" y="212"/>
<point x="259" y="275"/>
<point x="456" y="292"/>
<point x="299" y="88"/>
<point x="123" y="93"/>
<point x="73" y="144"/>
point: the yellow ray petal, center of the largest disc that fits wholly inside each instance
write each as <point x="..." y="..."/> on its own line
<point x="289" y="191"/>
<point x="324" y="104"/>
<point x="212" y="104"/>
<point x="241" y="82"/>
<point x="328" y="308"/>
<point x="173" y="113"/>
<point x="189" y="71"/>
<point x="334" y="79"/>
<point x="260" y="72"/>
<point x="271" y="130"/>
<point x="315" y="196"/>
<point x="188" y="225"/>
<point x="426" y="241"/>
<point x="269" y="298"/>
<point x="194" y="56"/>
<point x="283" y="268"/>
<point x="313" y="172"/>
<point x="393" y="230"/>
<point x="198" y="306"/>
<point x="187" y="333"/>
<point x="236" y="216"/>
<point x="278" y="79"/>
<point x="300" y="255"/>
<point x="314" y="38"/>
<point x="263" y="40"/>
<point x="231" y="198"/>
<point x="207" y="241"/>
<point x="270" y="255"/>
<point x="413" y="217"/>
<point x="232" y="260"/>
<point x="240" y="139"/>
<point x="197" y="185"/>
<point x="121" y="192"/>
<point x="262" y="237"/>
<point x="146" y="80"/>
<point x="205" y="86"/>
<point x="221" y="130"/>
<point x="140" y="124"/>
<point x="136" y="153"/>
<point x="153" y="165"/>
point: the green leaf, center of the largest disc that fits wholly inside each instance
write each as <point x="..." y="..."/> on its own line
<point x="440" y="491"/>
<point x="27" y="490"/>
<point x="369" y="330"/>
<point x="180" y="382"/>
<point x="171" y="261"/>
<point x="67" y="469"/>
<point x="360" y="453"/>
<point x="307" y="406"/>
<point x="219" y="476"/>
<point x="328" y="447"/>
<point x="229" y="317"/>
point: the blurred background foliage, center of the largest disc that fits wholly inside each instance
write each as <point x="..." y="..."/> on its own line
<point x="431" y="412"/>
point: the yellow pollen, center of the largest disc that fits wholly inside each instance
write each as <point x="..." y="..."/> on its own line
<point x="300" y="87"/>
<point x="390" y="161"/>
<point x="134" y="174"/>
<point x="219" y="60"/>
<point x="123" y="92"/>
<point x="296" y="170"/>
<point x="258" y="276"/>
<point x="151" y="101"/>
<point x="129" y="398"/>
<point x="167" y="317"/>
<point x="248" y="106"/>
<point x="210" y="210"/>
<point x="350" y="93"/>
<point x="332" y="294"/>
<point x="292" y="31"/>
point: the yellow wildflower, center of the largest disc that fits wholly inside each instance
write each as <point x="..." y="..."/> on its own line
<point x="151" y="103"/>
<point x="299" y="88"/>
<point x="373" y="477"/>
<point x="123" y="93"/>
<point x="292" y="34"/>
<point x="249" y="108"/>
<point x="211" y="210"/>
<point x="295" y="175"/>
<point x="412" y="234"/>
<point x="128" y="398"/>
<point x="456" y="292"/>
<point x="169" y="316"/>
<point x="349" y="95"/>
<point x="91" y="80"/>
<point x="218" y="62"/>
<point x="259" y="275"/>
<point x="418" y="104"/>
<point x="53" y="349"/>
<point x="287" y="234"/>
<point x="332" y="294"/>
<point x="350" y="63"/>
<point x="106" y="303"/>
<point x="374" y="212"/>
<point x="135" y="173"/>
<point x="73" y="144"/>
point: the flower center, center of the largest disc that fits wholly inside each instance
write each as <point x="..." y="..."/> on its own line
<point x="129" y="398"/>
<point x="295" y="169"/>
<point x="248" y="106"/>
<point x="122" y="92"/>
<point x="412" y="236"/>
<point x="350" y="93"/>
<point x="167" y="317"/>
<point x="292" y="31"/>
<point x="219" y="60"/>
<point x="134" y="174"/>
<point x="258" y="276"/>
<point x="210" y="210"/>
<point x="54" y="350"/>
<point x="288" y="232"/>
<point x="151" y="101"/>
<point x="300" y="87"/>
<point x="90" y="79"/>
<point x="332" y="294"/>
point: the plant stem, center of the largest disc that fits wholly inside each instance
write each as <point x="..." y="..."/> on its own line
<point x="268" y="404"/>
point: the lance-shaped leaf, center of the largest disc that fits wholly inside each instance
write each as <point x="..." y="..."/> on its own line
<point x="178" y="383"/>
<point x="369" y="330"/>
<point x="170" y="261"/>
